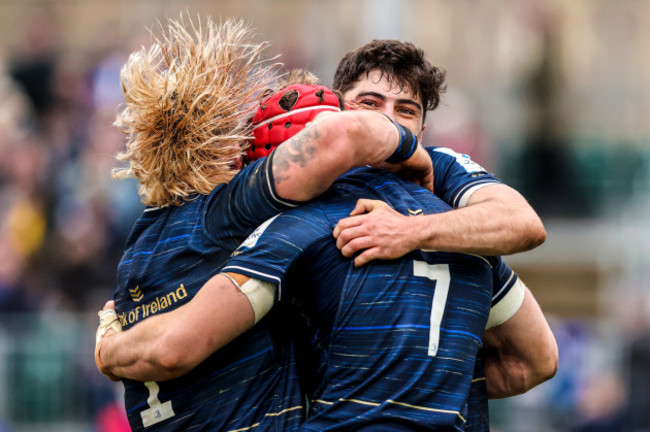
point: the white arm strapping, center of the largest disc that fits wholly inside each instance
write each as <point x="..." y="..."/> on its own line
<point x="260" y="294"/>
<point x="507" y="306"/>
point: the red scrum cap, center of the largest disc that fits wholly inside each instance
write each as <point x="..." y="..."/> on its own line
<point x="286" y="113"/>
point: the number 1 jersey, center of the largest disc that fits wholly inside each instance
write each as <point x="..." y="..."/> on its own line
<point x="171" y="252"/>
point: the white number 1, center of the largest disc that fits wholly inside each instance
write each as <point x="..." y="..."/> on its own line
<point x="440" y="274"/>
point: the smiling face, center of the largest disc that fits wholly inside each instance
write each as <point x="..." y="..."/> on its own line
<point x="375" y="92"/>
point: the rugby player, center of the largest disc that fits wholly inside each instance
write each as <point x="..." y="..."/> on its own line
<point x="394" y="77"/>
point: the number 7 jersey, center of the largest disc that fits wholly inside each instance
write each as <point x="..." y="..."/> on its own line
<point x="391" y="345"/>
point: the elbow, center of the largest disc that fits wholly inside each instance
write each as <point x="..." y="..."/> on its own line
<point x="544" y="368"/>
<point x="537" y="233"/>
<point x="525" y="376"/>
<point x="532" y="234"/>
<point x="346" y="133"/>
<point x="171" y="362"/>
<point x="346" y="138"/>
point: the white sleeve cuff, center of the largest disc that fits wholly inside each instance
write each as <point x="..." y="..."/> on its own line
<point x="507" y="306"/>
<point x="468" y="194"/>
<point x="261" y="295"/>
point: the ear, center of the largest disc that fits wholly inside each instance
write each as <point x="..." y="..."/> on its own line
<point x="420" y="134"/>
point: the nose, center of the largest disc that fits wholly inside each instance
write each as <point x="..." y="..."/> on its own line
<point x="389" y="109"/>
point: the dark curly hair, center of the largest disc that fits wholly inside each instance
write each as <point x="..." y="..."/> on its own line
<point x="402" y="63"/>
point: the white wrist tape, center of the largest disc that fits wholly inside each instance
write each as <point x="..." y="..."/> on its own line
<point x="261" y="295"/>
<point x="107" y="320"/>
<point x="507" y="306"/>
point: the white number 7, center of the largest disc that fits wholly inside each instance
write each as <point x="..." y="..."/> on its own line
<point x="440" y="274"/>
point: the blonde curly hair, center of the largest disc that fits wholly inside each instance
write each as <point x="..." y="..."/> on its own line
<point x="187" y="99"/>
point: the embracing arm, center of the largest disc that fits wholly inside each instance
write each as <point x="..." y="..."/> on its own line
<point x="169" y="345"/>
<point x="496" y="221"/>
<point x="520" y="353"/>
<point x="305" y="165"/>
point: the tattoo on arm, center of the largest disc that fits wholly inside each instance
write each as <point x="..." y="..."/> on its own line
<point x="299" y="150"/>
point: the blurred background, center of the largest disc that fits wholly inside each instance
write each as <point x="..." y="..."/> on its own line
<point x="552" y="96"/>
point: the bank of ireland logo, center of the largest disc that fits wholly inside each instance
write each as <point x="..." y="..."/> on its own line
<point x="136" y="294"/>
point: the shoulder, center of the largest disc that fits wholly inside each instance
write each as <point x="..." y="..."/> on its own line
<point x="299" y="225"/>
<point x="449" y="156"/>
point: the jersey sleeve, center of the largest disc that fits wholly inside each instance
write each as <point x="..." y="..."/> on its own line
<point x="456" y="176"/>
<point x="270" y="251"/>
<point x="508" y="294"/>
<point x="245" y="202"/>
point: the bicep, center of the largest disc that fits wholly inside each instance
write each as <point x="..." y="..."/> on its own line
<point x="305" y="165"/>
<point x="525" y="334"/>
<point x="497" y="192"/>
<point x="300" y="168"/>
<point x="516" y="223"/>
<point x="215" y="316"/>
<point x="523" y="352"/>
<point x="227" y="305"/>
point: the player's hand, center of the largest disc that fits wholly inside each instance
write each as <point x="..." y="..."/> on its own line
<point x="418" y="168"/>
<point x="376" y="231"/>
<point x="109" y="324"/>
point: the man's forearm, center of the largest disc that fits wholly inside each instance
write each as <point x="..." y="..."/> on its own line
<point x="497" y="221"/>
<point x="308" y="163"/>
<point x="123" y="355"/>
<point x="169" y="345"/>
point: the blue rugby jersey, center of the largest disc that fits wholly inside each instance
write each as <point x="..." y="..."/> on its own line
<point x="391" y="345"/>
<point x="456" y="176"/>
<point x="171" y="252"/>
<point x="478" y="415"/>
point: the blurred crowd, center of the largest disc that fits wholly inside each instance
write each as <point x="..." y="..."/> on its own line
<point x="63" y="220"/>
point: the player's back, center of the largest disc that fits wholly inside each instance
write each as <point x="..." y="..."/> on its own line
<point x="390" y="345"/>
<point x="393" y="342"/>
<point x="249" y="383"/>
